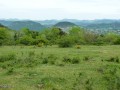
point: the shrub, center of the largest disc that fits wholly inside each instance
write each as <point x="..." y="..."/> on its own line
<point x="75" y="60"/>
<point x="66" y="59"/>
<point x="26" y="40"/>
<point x="113" y="59"/>
<point x="117" y="60"/>
<point x="10" y="71"/>
<point x="86" y="58"/>
<point x="40" y="44"/>
<point x="65" y="42"/>
<point x="45" y="60"/>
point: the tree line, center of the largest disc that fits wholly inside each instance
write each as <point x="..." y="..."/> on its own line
<point x="55" y="36"/>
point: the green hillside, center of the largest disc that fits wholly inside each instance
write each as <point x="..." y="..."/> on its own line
<point x="18" y="25"/>
<point x="64" y="24"/>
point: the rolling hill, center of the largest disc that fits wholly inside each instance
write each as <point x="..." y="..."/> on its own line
<point x="2" y="25"/>
<point x="64" y="24"/>
<point x="18" y="25"/>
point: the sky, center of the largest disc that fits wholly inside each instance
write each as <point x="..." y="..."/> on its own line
<point x="60" y="9"/>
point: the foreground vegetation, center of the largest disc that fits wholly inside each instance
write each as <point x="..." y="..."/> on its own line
<point x="55" y="36"/>
<point x="53" y="68"/>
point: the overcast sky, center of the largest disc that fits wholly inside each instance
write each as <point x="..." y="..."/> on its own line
<point x="60" y="9"/>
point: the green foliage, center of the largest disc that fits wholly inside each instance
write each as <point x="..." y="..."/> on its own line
<point x="7" y="57"/>
<point x="113" y="59"/>
<point x="26" y="40"/>
<point x="4" y="36"/>
<point x="40" y="44"/>
<point x="65" y="41"/>
<point x="53" y="36"/>
<point x="75" y="60"/>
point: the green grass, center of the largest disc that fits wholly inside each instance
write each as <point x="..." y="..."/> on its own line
<point x="53" y="68"/>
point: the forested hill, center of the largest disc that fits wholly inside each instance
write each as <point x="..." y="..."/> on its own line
<point x="64" y="24"/>
<point x="18" y="25"/>
<point x="2" y="25"/>
<point x="103" y="26"/>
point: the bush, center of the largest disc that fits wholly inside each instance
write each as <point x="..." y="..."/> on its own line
<point x="45" y="61"/>
<point x="26" y="40"/>
<point x="86" y="58"/>
<point x="75" y="60"/>
<point x="66" y="59"/>
<point x="113" y="59"/>
<point x="65" y="42"/>
<point x="10" y="71"/>
<point x="40" y="44"/>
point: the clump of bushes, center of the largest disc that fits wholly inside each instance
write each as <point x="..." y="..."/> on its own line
<point x="113" y="59"/>
<point x="75" y="60"/>
<point x="45" y="60"/>
<point x="86" y="58"/>
<point x="67" y="59"/>
<point x="65" y="42"/>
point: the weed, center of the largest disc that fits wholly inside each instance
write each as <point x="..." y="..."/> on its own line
<point x="45" y="60"/>
<point x="66" y="59"/>
<point x="86" y="58"/>
<point x="75" y="60"/>
<point x="10" y="56"/>
<point x="10" y="71"/>
<point x="113" y="59"/>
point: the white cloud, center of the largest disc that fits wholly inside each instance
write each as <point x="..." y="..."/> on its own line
<point x="58" y="9"/>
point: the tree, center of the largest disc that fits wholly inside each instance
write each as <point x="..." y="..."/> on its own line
<point x="4" y="36"/>
<point x="26" y="40"/>
<point x="66" y="41"/>
<point x="90" y="37"/>
<point x="110" y="38"/>
<point x="77" y="34"/>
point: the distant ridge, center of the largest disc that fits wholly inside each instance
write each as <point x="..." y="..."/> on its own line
<point x="2" y="25"/>
<point x="64" y="24"/>
<point x="18" y="25"/>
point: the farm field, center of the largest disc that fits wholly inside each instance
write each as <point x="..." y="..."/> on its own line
<point x="52" y="68"/>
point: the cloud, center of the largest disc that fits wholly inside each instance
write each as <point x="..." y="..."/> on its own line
<point x="52" y="9"/>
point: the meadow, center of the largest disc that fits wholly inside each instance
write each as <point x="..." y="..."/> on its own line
<point x="88" y="67"/>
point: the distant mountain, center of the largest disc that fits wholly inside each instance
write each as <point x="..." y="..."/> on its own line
<point x="94" y="25"/>
<point x="48" y="23"/>
<point x="2" y="25"/>
<point x="18" y="25"/>
<point x="64" y="24"/>
<point x="5" y="22"/>
<point x="104" y="26"/>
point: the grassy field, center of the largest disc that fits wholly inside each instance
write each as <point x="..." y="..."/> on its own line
<point x="53" y="68"/>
